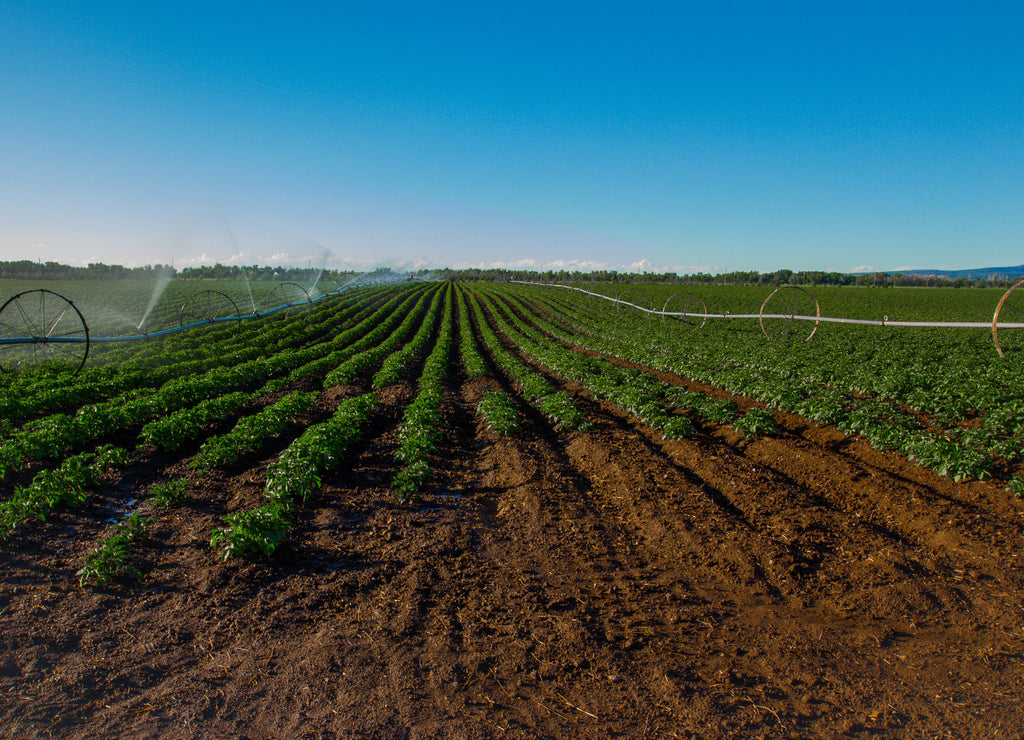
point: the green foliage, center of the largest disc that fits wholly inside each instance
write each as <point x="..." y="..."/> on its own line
<point x="534" y="387"/>
<point x="472" y="360"/>
<point x="561" y="409"/>
<point x="949" y="458"/>
<point x="756" y="422"/>
<point x="66" y="485"/>
<point x="719" y="411"/>
<point x="173" y="431"/>
<point x="292" y="478"/>
<point x="251" y="432"/>
<point x="378" y="343"/>
<point x="169" y="494"/>
<point x="322" y="447"/>
<point x="257" y="531"/>
<point x="499" y="412"/>
<point x="420" y="431"/>
<point x="409" y="480"/>
<point x="108" y="560"/>
<point x="894" y="387"/>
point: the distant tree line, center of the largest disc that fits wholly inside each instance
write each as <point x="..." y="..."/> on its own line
<point x="741" y="277"/>
<point x="28" y="270"/>
<point x="260" y="273"/>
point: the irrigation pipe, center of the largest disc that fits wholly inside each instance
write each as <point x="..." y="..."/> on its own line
<point x="994" y="325"/>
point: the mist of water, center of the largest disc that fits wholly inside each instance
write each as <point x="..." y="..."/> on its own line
<point x="159" y="287"/>
<point x="320" y="272"/>
<point x="248" y="287"/>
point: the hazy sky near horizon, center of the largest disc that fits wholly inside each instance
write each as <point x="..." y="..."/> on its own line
<point x="660" y="136"/>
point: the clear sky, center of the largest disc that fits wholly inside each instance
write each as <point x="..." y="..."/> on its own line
<point x="709" y="136"/>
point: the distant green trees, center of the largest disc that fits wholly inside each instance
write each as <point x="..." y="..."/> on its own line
<point x="739" y="277"/>
<point x="28" y="270"/>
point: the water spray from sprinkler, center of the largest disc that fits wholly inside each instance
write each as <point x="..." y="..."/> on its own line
<point x="158" y="290"/>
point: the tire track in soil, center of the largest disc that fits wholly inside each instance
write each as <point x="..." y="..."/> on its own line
<point x="579" y="593"/>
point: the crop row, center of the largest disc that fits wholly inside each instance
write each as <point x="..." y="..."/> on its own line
<point x="378" y="346"/>
<point x="66" y="485"/>
<point x="292" y="478"/>
<point x="820" y="380"/>
<point x="555" y="405"/>
<point x="631" y="390"/>
<point x="420" y="431"/>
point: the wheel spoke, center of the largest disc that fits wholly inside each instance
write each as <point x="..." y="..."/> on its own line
<point x="56" y="321"/>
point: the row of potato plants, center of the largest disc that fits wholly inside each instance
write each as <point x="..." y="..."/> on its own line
<point x="631" y="390"/>
<point x="826" y="381"/>
<point x="53" y="435"/>
<point x="66" y="485"/>
<point x="395" y="366"/>
<point x="557" y="406"/>
<point x="251" y="432"/>
<point x="293" y="477"/>
<point x="379" y="344"/>
<point x="419" y="433"/>
<point x="497" y="407"/>
<point x="109" y="559"/>
<point x="358" y="337"/>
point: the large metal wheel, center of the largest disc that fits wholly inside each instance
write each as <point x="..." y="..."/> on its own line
<point x="1008" y="322"/>
<point x="207" y="306"/>
<point x="326" y="285"/>
<point x="625" y="298"/>
<point x="39" y="327"/>
<point x="791" y="308"/>
<point x="687" y="309"/>
<point x="287" y="296"/>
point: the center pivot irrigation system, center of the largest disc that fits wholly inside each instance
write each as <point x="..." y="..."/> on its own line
<point x="38" y="326"/>
<point x="796" y="304"/>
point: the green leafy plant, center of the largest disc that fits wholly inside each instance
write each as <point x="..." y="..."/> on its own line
<point x="168" y="494"/>
<point x="756" y="422"/>
<point x="65" y="485"/>
<point x="499" y="412"/>
<point x="259" y="531"/>
<point x="108" y="560"/>
<point x="720" y="411"/>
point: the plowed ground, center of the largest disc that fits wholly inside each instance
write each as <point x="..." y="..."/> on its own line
<point x="552" y="584"/>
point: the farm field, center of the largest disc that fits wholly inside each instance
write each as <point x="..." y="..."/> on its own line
<point x="501" y="510"/>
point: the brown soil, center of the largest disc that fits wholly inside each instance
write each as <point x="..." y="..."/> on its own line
<point x="553" y="584"/>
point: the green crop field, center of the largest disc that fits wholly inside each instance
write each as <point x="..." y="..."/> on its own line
<point x="538" y="486"/>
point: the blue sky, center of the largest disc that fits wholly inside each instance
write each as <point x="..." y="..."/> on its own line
<point x="680" y="136"/>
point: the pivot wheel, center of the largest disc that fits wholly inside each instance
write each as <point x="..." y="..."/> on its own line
<point x="791" y="311"/>
<point x="39" y="327"/>
<point x="207" y="306"/>
<point x="290" y="296"/>
<point x="687" y="309"/>
<point x="1008" y="322"/>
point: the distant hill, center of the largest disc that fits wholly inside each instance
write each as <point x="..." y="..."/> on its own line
<point x="978" y="273"/>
